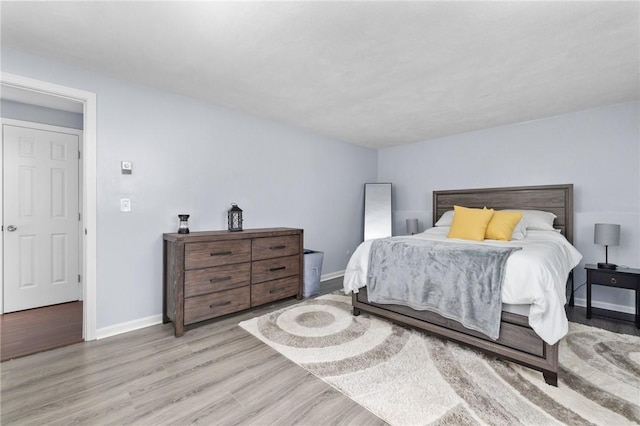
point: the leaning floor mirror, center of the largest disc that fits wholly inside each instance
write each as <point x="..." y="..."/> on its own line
<point x="377" y="210"/>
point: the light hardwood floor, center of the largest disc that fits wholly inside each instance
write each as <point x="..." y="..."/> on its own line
<point x="217" y="374"/>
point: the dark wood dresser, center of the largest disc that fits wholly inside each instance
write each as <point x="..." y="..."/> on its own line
<point x="215" y="273"/>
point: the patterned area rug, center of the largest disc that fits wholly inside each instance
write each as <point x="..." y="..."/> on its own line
<point x="409" y="378"/>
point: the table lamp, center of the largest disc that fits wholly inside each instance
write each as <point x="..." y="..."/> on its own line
<point x="606" y="234"/>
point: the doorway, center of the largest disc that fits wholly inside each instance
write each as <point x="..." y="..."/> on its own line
<point x="41" y="215"/>
<point x="36" y="89"/>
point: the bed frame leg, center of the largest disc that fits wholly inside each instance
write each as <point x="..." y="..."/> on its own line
<point x="550" y="377"/>
<point x="356" y="312"/>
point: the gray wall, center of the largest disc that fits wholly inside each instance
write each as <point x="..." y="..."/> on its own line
<point x="597" y="150"/>
<point x="38" y="114"/>
<point x="196" y="158"/>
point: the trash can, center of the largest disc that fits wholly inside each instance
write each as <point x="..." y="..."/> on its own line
<point x="312" y="272"/>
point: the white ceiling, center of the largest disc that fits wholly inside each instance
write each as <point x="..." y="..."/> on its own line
<point x="376" y="74"/>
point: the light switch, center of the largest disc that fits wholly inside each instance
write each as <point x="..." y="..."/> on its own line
<point x="125" y="204"/>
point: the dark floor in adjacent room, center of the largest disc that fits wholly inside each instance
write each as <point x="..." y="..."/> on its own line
<point x="40" y="329"/>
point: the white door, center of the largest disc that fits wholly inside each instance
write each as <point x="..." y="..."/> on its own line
<point x="41" y="217"/>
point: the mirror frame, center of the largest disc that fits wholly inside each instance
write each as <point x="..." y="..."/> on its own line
<point x="377" y="211"/>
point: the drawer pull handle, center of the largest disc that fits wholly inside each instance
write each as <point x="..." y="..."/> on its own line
<point x="279" y="268"/>
<point x="280" y="247"/>
<point x="613" y="280"/>
<point x="220" y="253"/>
<point x="219" y="279"/>
<point x="274" y="290"/>
<point x="217" y="305"/>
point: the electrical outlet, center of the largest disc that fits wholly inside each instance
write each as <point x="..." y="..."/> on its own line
<point x="125" y="204"/>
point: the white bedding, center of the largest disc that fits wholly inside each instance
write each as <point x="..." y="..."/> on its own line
<point x="535" y="275"/>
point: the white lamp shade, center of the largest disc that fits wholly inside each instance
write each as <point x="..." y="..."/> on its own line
<point x="606" y="234"/>
<point x="412" y="226"/>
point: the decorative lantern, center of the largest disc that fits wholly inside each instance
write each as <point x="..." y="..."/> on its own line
<point x="234" y="215"/>
<point x="184" y="225"/>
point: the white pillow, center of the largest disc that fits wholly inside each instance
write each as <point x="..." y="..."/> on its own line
<point x="537" y="219"/>
<point x="446" y="219"/>
<point x="520" y="231"/>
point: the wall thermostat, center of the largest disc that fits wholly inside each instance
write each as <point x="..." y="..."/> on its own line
<point x="127" y="167"/>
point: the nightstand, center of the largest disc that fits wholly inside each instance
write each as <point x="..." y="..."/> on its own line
<point x="628" y="278"/>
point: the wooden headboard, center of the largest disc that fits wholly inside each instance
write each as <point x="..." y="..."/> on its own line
<point x="557" y="199"/>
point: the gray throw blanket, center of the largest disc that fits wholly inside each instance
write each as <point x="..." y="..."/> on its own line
<point x="459" y="281"/>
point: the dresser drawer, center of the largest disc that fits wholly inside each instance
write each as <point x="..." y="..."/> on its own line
<point x="200" y="308"/>
<point x="204" y="255"/>
<point x="218" y="278"/>
<point x="274" y="290"/>
<point x="270" y="247"/>
<point x="272" y="269"/>
<point x="613" y="280"/>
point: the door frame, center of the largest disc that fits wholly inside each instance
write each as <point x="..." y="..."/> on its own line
<point x="88" y="191"/>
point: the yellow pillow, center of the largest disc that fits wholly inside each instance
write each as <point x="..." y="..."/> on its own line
<point x="469" y="224"/>
<point x="502" y="225"/>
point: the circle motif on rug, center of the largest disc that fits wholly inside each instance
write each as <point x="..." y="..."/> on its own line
<point x="314" y="320"/>
<point x="334" y="326"/>
<point x="329" y="340"/>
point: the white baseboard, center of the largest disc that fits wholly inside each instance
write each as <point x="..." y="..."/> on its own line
<point x="604" y="305"/>
<point x="157" y="319"/>
<point x="124" y="327"/>
<point x="332" y="275"/>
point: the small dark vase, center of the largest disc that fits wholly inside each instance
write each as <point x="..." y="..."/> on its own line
<point x="184" y="225"/>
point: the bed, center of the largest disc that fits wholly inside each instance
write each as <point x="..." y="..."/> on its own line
<point x="517" y="341"/>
